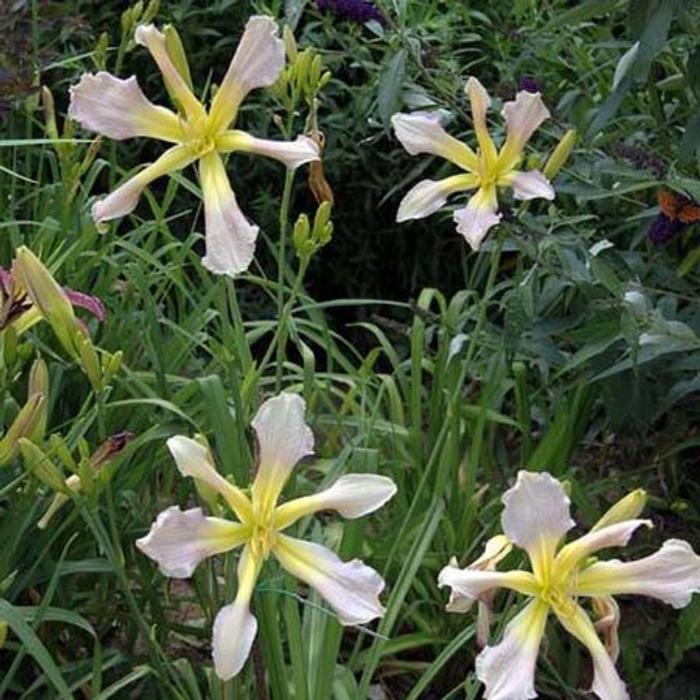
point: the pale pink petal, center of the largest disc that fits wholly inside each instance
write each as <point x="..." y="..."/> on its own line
<point x="179" y="540"/>
<point x="528" y="185"/>
<point x="470" y="584"/>
<point x="480" y="214"/>
<point x="353" y="496"/>
<point x="235" y="627"/>
<point x="117" y="108"/>
<point x="283" y="439"/>
<point x="229" y="236"/>
<point x="125" y="198"/>
<point x="351" y="588"/>
<point x="421" y="132"/>
<point x="428" y="196"/>
<point x="258" y="61"/>
<point x="607" y="684"/>
<point x="291" y="153"/>
<point x="508" y="669"/>
<point x="154" y="40"/>
<point x="672" y="574"/>
<point x="523" y="117"/>
<point x="193" y="459"/>
<point x="536" y="516"/>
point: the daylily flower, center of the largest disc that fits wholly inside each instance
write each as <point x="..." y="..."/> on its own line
<point x="180" y="540"/>
<point x="536" y="518"/>
<point x="118" y="109"/>
<point x="485" y="169"/>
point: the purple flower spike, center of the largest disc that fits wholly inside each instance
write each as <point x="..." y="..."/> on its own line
<point x="663" y="229"/>
<point x="529" y="83"/>
<point x="358" y="11"/>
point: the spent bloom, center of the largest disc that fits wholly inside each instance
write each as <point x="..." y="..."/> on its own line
<point x="484" y="170"/>
<point x="180" y="540"/>
<point x="536" y="518"/>
<point x="118" y="109"/>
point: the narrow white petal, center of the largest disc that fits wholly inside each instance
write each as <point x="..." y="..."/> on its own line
<point x="469" y="584"/>
<point x="607" y="684"/>
<point x="536" y="515"/>
<point x="193" y="459"/>
<point x="351" y="588"/>
<point x="291" y="153"/>
<point x="235" y="627"/>
<point x="421" y="132"/>
<point x="283" y="439"/>
<point x="353" y="496"/>
<point x="125" y="198"/>
<point x="229" y="236"/>
<point x="179" y="540"/>
<point x="528" y="185"/>
<point x="480" y="102"/>
<point x="480" y="214"/>
<point x="117" y="108"/>
<point x="672" y="574"/>
<point x="617" y="535"/>
<point x="427" y="196"/>
<point x="258" y="61"/>
<point x="508" y="669"/>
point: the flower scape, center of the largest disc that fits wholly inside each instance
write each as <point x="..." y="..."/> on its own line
<point x="334" y="454"/>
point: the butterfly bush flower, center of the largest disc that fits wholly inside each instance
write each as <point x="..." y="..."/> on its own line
<point x="484" y="170"/>
<point x="179" y="540"/>
<point x="536" y="518"/>
<point x="118" y="109"/>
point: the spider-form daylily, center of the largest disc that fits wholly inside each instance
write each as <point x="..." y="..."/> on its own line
<point x="486" y="170"/>
<point x="118" y="109"/>
<point x="536" y="518"/>
<point x="180" y="540"/>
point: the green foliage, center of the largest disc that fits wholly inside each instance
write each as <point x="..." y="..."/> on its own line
<point x="568" y="343"/>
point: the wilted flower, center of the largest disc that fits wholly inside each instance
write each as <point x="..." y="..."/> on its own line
<point x="118" y="109"/>
<point x="180" y="540"/>
<point x="19" y="311"/>
<point x="359" y="11"/>
<point x="486" y="169"/>
<point x="536" y="517"/>
<point x="29" y="294"/>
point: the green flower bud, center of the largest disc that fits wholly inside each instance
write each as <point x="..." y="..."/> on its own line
<point x="560" y="154"/>
<point x="39" y="464"/>
<point x="30" y="416"/>
<point x="176" y="51"/>
<point x="48" y="297"/>
<point x="290" y="44"/>
<point x="627" y="508"/>
<point x="301" y="233"/>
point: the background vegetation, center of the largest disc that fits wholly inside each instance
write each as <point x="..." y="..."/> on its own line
<point x="569" y="343"/>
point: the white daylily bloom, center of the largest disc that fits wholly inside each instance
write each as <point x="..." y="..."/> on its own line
<point x="118" y="109"/>
<point x="486" y="169"/>
<point x="179" y="540"/>
<point x="536" y="517"/>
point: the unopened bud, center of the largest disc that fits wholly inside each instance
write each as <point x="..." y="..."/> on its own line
<point x="48" y="297"/>
<point x="39" y="464"/>
<point x="301" y="233"/>
<point x="150" y="12"/>
<point x="49" y="113"/>
<point x="290" y="44"/>
<point x="560" y="154"/>
<point x="90" y="362"/>
<point x="25" y="423"/>
<point x="627" y="508"/>
<point x="177" y="54"/>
